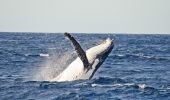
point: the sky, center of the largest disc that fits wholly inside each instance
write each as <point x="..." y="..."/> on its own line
<point x="85" y="16"/>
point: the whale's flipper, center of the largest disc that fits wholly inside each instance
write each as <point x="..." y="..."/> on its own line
<point x="81" y="53"/>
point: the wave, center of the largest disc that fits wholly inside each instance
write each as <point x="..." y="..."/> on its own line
<point x="43" y="55"/>
<point x="140" y="56"/>
<point x="37" y="55"/>
<point x="108" y="80"/>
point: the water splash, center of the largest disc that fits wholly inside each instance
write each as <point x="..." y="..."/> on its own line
<point x="53" y="66"/>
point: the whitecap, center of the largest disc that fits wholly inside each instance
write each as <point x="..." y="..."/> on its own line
<point x="120" y="55"/>
<point x="44" y="55"/>
<point x="168" y="88"/>
<point x="112" y="85"/>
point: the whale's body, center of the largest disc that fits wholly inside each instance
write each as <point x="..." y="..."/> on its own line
<point x="84" y="66"/>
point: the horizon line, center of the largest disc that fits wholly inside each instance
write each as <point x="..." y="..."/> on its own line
<point x="86" y="32"/>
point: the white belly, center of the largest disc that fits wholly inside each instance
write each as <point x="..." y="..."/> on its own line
<point x="73" y="72"/>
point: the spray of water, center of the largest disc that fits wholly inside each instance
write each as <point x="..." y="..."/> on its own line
<point x="54" y="65"/>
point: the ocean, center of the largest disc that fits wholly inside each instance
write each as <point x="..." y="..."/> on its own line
<point x="138" y="68"/>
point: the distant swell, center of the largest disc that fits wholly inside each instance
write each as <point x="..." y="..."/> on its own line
<point x="140" y="56"/>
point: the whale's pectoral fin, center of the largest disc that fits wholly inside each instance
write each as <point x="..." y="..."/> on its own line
<point x="81" y="53"/>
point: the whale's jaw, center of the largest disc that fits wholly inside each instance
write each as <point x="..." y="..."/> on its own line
<point x="96" y="56"/>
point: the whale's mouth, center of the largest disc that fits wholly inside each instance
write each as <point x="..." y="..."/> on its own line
<point x="106" y="49"/>
<point x="105" y="53"/>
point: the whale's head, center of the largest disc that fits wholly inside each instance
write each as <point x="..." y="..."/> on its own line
<point x="103" y="49"/>
<point x="97" y="54"/>
<point x="100" y="51"/>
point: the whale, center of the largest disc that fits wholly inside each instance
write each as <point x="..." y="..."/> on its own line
<point x="87" y="62"/>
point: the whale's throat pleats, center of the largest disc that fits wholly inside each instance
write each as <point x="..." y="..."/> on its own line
<point x="80" y="52"/>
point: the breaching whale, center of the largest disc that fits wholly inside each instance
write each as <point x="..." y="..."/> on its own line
<point x="87" y="62"/>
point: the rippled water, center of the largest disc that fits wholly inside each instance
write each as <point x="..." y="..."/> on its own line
<point x="137" y="68"/>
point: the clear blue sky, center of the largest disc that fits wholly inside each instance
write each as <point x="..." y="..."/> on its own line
<point x="98" y="16"/>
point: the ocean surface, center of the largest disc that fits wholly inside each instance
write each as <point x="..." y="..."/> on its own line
<point x="138" y="68"/>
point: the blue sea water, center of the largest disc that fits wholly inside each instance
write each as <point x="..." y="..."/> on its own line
<point x="138" y="68"/>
